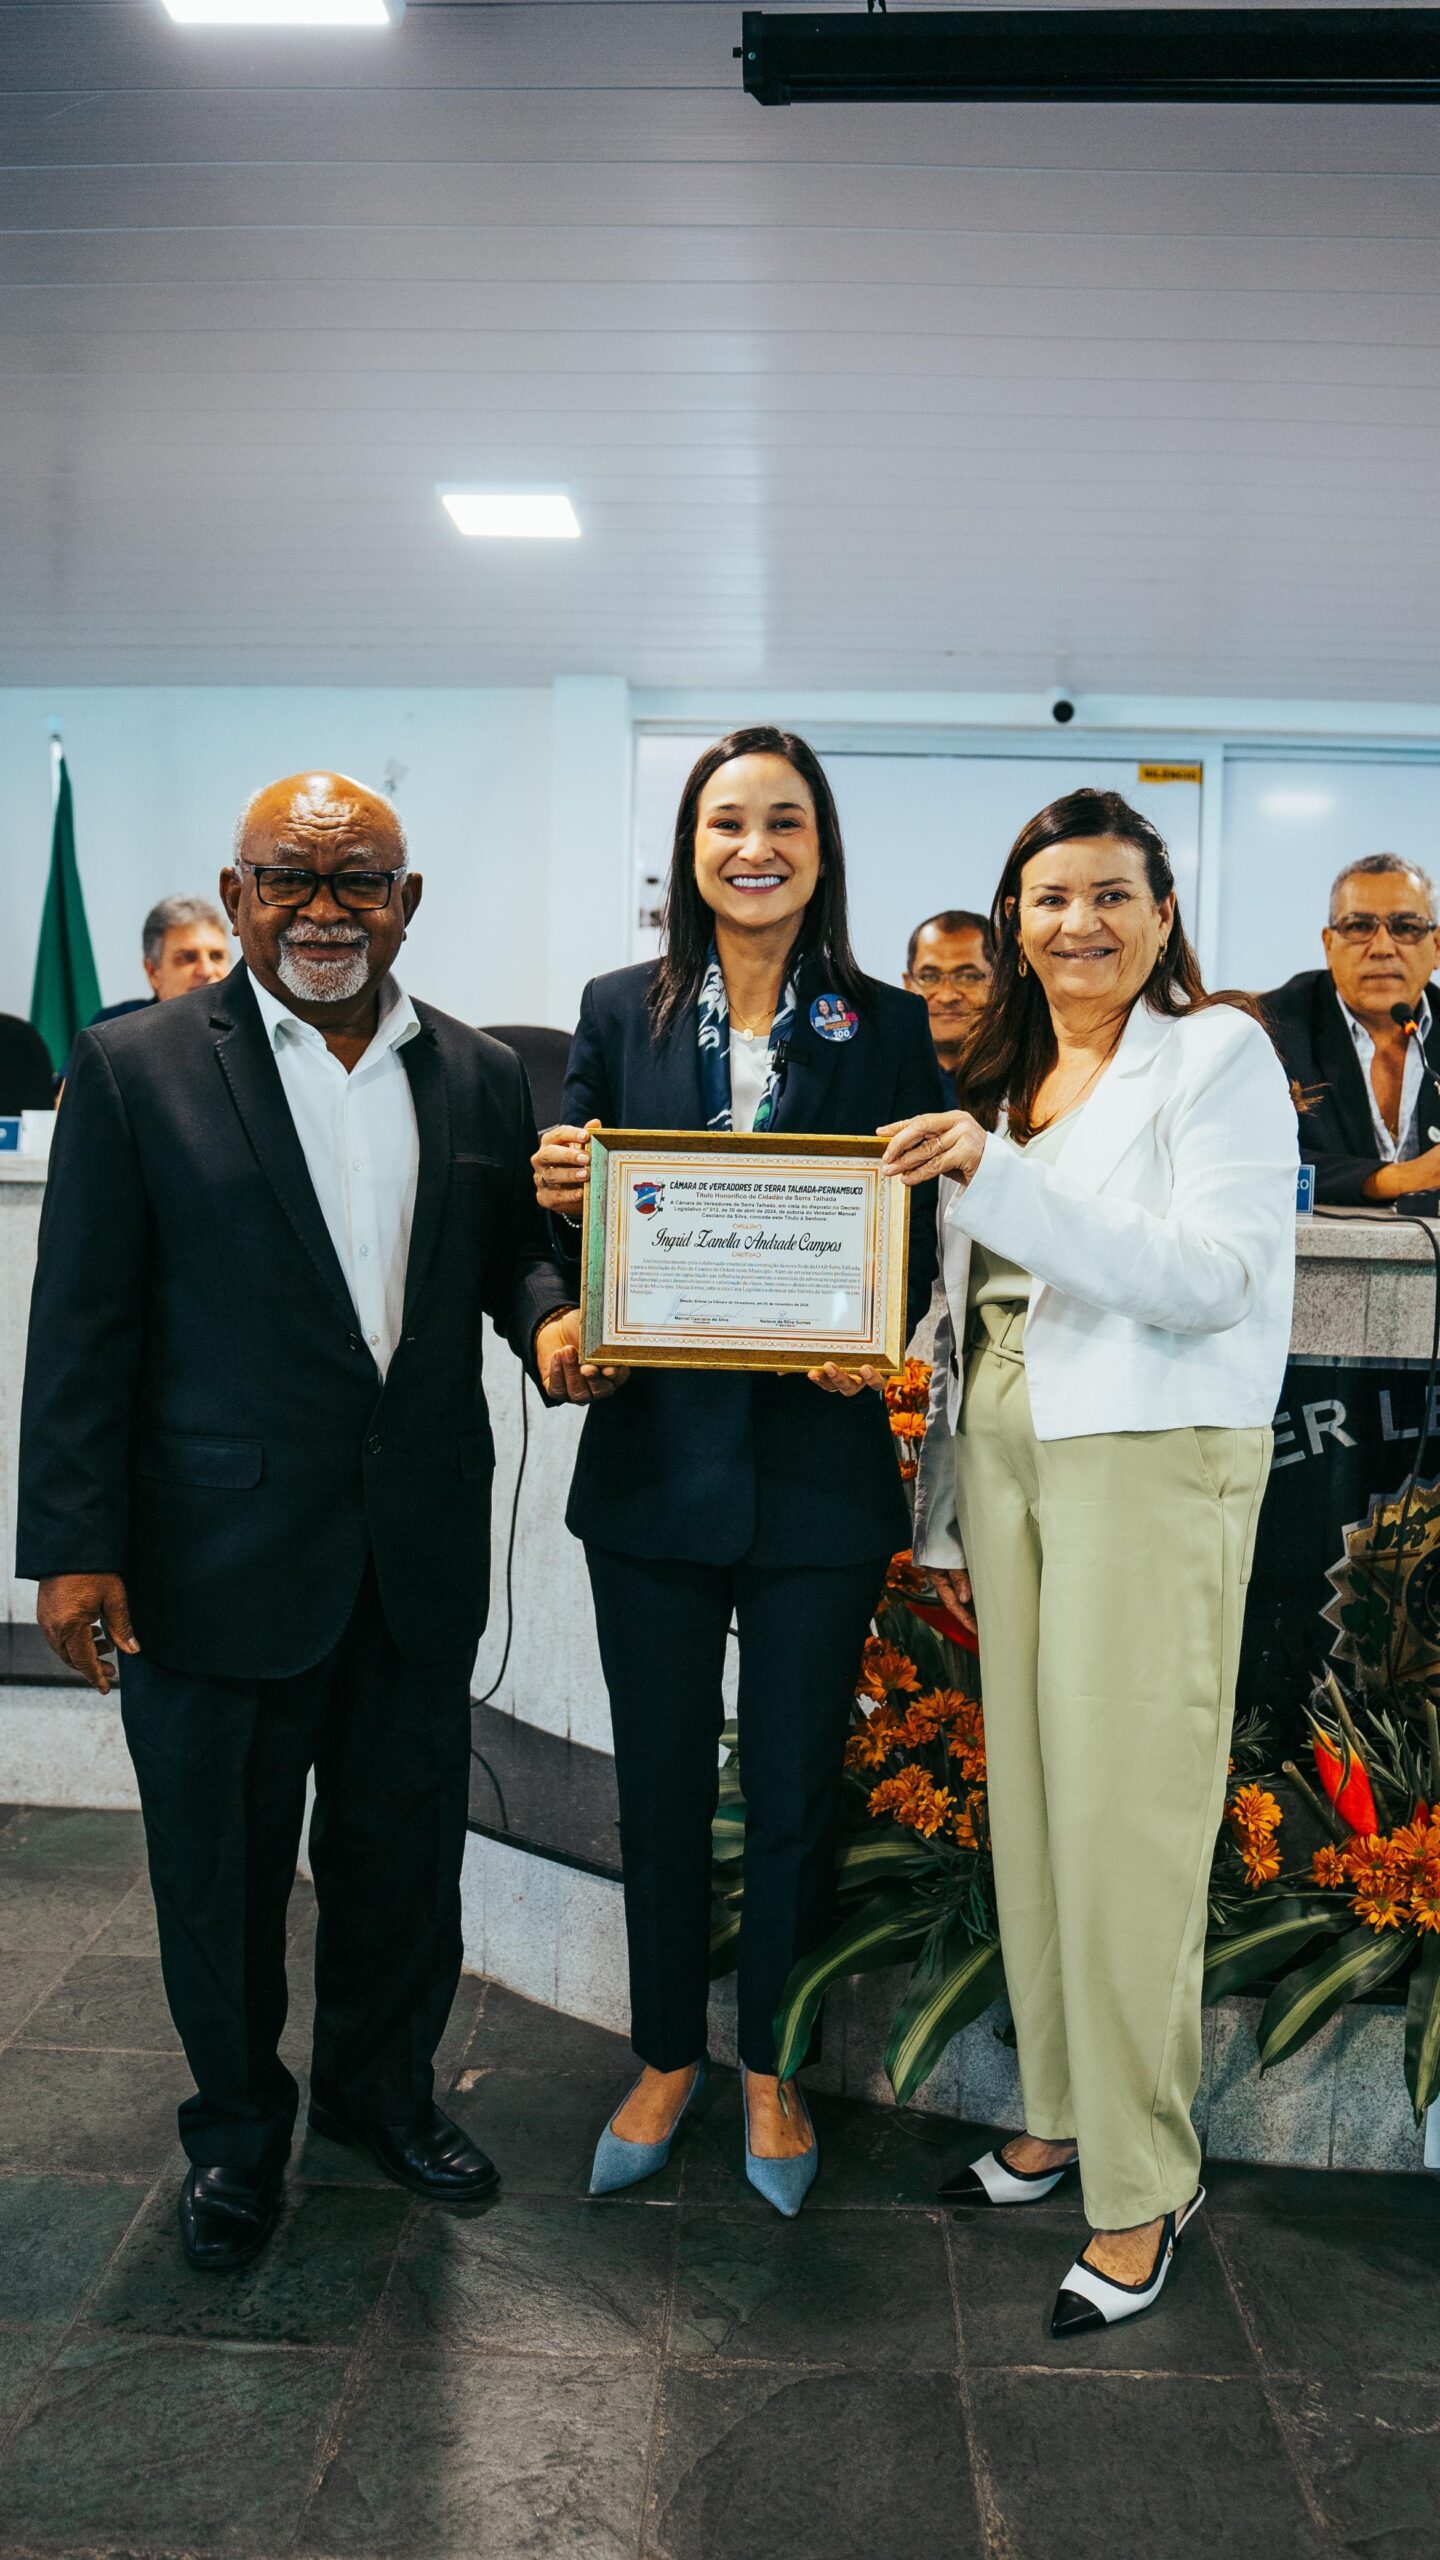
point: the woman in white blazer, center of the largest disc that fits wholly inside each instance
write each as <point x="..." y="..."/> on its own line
<point x="1117" y="1244"/>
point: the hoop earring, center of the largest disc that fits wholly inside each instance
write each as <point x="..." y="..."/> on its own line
<point x="1022" y="967"/>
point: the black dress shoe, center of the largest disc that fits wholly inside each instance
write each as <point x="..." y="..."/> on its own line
<point x="431" y="2157"/>
<point x="227" y="2215"/>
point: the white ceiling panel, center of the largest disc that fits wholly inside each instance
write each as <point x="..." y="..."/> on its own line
<point x="1134" y="399"/>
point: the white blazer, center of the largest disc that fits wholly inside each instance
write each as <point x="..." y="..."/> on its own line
<point x="1162" y="1248"/>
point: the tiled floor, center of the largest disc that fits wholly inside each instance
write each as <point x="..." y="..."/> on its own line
<point x="678" y="2375"/>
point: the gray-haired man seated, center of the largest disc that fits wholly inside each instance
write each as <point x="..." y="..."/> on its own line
<point x="184" y="944"/>
<point x="1358" y="1039"/>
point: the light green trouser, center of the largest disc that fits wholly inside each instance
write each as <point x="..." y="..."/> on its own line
<point x="1109" y="1578"/>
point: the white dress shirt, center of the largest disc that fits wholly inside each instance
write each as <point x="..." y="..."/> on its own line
<point x="1409" y="1143"/>
<point x="362" y="1149"/>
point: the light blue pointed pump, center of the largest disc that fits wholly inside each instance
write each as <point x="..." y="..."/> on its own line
<point x="619" y="2163"/>
<point x="783" y="2183"/>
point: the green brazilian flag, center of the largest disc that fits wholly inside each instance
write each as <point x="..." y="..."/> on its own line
<point x="66" y="994"/>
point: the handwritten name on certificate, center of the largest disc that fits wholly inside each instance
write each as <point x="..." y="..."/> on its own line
<point x="747" y="1258"/>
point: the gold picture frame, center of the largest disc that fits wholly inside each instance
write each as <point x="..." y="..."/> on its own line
<point x="820" y="1211"/>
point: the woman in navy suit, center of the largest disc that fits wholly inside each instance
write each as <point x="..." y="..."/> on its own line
<point x="699" y="1494"/>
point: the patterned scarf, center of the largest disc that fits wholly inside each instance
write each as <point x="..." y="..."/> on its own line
<point x="714" y="1035"/>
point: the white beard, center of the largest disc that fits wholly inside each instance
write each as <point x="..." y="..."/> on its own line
<point x="329" y="983"/>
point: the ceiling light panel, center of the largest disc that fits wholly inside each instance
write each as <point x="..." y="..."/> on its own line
<point x="533" y="515"/>
<point x="286" y="13"/>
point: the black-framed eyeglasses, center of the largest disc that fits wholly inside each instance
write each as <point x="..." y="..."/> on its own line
<point x="928" y="979"/>
<point x="1403" y="928"/>
<point x="280" y="884"/>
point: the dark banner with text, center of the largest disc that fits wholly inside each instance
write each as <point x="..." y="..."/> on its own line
<point x="1346" y="1438"/>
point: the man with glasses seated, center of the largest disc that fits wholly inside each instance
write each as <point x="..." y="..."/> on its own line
<point x="256" y="1458"/>
<point x="950" y="963"/>
<point x="1359" y="1041"/>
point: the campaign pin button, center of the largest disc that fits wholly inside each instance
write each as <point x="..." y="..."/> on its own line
<point x="1434" y="1137"/>
<point x="833" y="1018"/>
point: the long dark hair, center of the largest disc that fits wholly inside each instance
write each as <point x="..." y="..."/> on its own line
<point x="1012" y="1048"/>
<point x="689" y="925"/>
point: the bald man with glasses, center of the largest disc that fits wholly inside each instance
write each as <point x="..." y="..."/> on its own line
<point x="1360" y="1040"/>
<point x="256" y="1458"/>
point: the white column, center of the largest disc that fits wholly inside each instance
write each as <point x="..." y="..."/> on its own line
<point x="590" y="852"/>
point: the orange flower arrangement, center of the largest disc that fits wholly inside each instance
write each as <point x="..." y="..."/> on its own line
<point x="931" y="1714"/>
<point x="907" y="1396"/>
<point x="914" y="1800"/>
<point x="1393" y="1877"/>
<point x="1425" y="1897"/>
<point x="966" y="1743"/>
<point x="1363" y="1859"/>
<point x="1381" y="1909"/>
<point x="916" y="1757"/>
<point x="938" y="1715"/>
<point x="899" y="1718"/>
<point x="883" y="1668"/>
<point x="916" y="1753"/>
<point x="1254" y="1817"/>
<point x="963" y="1823"/>
<point x="871" y="1745"/>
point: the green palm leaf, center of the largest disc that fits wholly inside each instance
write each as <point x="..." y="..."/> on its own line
<point x="727" y="1834"/>
<point x="1422" y="2030"/>
<point x="1300" y="2005"/>
<point x="887" y="1857"/>
<point x="885" y="1932"/>
<point x="1264" y="1940"/>
<point x="940" y="1998"/>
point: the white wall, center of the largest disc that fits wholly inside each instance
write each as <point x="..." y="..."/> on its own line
<point x="930" y="806"/>
<point x="923" y="832"/>
<point x="158" y="775"/>
<point x="1290" y="824"/>
<point x="518" y="805"/>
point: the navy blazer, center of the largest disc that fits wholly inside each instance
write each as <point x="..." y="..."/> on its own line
<point x="714" y="1466"/>
<point x="202" y="1414"/>
<point x="1337" y="1133"/>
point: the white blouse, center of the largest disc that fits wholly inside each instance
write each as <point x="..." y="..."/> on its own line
<point x="750" y="1062"/>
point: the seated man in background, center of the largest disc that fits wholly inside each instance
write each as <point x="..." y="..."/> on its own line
<point x="1363" y="1083"/>
<point x="184" y="943"/>
<point x="950" y="962"/>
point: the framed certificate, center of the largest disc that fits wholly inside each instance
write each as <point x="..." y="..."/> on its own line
<point x="705" y="1250"/>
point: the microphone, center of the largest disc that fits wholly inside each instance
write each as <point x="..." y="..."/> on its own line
<point x="1409" y="1022"/>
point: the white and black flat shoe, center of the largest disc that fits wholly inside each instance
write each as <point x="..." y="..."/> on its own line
<point x="990" y="2180"/>
<point x="1088" y="2300"/>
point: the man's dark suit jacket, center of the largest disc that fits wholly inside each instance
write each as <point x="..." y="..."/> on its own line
<point x="201" y="1412"/>
<point x="1337" y="1133"/>
<point x="711" y="1466"/>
